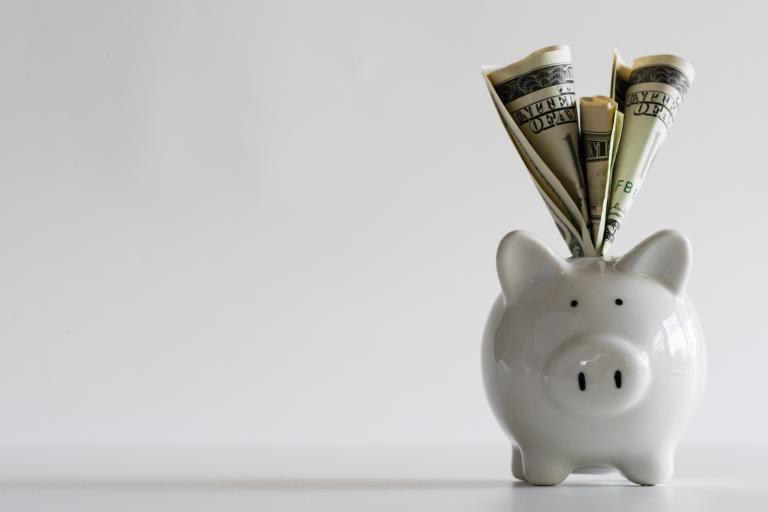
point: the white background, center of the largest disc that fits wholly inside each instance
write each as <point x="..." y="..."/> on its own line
<point x="253" y="222"/>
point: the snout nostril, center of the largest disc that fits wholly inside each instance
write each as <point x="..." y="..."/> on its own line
<point x="617" y="379"/>
<point x="582" y="381"/>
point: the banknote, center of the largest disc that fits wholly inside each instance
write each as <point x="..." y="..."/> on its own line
<point x="654" y="91"/>
<point x="598" y="127"/>
<point x="539" y="94"/>
<point x="567" y="216"/>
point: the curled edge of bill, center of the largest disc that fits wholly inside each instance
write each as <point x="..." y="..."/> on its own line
<point x="620" y="73"/>
<point x="565" y="213"/>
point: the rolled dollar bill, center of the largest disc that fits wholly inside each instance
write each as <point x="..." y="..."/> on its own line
<point x="655" y="90"/>
<point x="598" y="125"/>
<point x="539" y="94"/>
<point x="568" y="219"/>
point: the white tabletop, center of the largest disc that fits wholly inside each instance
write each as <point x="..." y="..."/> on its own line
<point x="359" y="478"/>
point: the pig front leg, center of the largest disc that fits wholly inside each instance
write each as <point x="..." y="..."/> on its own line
<point x="541" y="468"/>
<point x="652" y="469"/>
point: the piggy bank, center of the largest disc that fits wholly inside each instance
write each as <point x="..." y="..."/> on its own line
<point x="593" y="364"/>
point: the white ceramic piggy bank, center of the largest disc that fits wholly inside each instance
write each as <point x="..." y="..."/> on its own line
<point x="593" y="363"/>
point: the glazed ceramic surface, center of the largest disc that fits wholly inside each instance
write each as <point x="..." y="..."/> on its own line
<point x="593" y="363"/>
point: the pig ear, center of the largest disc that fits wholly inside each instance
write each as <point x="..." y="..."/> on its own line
<point x="665" y="256"/>
<point x="522" y="257"/>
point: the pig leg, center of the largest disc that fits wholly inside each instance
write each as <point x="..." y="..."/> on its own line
<point x="517" y="463"/>
<point x="540" y="468"/>
<point x="651" y="469"/>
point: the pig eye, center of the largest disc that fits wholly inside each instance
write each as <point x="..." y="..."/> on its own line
<point x="574" y="303"/>
<point x="619" y="302"/>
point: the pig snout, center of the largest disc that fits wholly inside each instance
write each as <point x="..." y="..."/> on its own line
<point x="597" y="375"/>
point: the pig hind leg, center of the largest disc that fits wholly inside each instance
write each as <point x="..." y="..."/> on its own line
<point x="652" y="469"/>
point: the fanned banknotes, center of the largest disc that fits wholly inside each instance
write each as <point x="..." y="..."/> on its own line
<point x="588" y="178"/>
